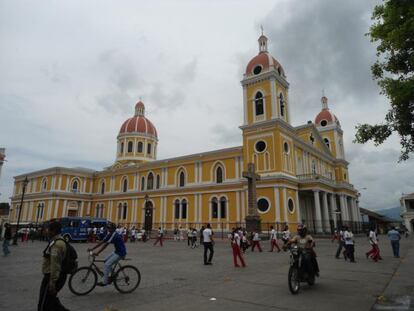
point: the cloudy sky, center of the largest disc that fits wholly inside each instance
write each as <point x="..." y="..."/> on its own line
<point x="72" y="71"/>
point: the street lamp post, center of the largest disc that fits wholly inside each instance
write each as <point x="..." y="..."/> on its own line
<point x="25" y="182"/>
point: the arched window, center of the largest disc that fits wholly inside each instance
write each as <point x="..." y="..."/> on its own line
<point x="140" y="146"/>
<point x="125" y="185"/>
<point x="182" y="179"/>
<point x="125" y="211"/>
<point x="130" y="146"/>
<point x="103" y="187"/>
<point x="150" y="181"/>
<point x="223" y="207"/>
<point x="219" y="175"/>
<point x="99" y="211"/>
<point x="177" y="209"/>
<point x="282" y="104"/>
<point x="122" y="147"/>
<point x="184" y="209"/>
<point x="149" y="149"/>
<point x="120" y="211"/>
<point x="40" y="208"/>
<point x="258" y="103"/>
<point x="214" y="208"/>
<point x="44" y="184"/>
<point x="158" y="182"/>
<point x="326" y="141"/>
<point x="313" y="167"/>
<point x="142" y="183"/>
<point x="75" y="185"/>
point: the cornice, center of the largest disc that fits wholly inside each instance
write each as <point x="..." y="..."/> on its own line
<point x="248" y="80"/>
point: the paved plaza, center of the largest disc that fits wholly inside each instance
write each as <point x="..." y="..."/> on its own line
<point x="174" y="278"/>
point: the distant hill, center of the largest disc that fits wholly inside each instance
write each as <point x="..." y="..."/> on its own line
<point x="393" y="213"/>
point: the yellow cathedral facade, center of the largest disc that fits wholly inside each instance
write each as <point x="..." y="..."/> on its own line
<point x="303" y="171"/>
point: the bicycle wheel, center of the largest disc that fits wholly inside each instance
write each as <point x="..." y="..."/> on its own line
<point x="127" y="279"/>
<point x="82" y="281"/>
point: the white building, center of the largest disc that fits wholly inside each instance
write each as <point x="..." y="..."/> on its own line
<point x="407" y="210"/>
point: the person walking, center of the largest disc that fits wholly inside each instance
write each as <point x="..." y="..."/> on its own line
<point x="244" y="241"/>
<point x="133" y="234"/>
<point x="189" y="236"/>
<point x="349" y="245"/>
<point x="53" y="276"/>
<point x="194" y="240"/>
<point x="395" y="237"/>
<point x="256" y="241"/>
<point x="208" y="243"/>
<point x="273" y="240"/>
<point x="235" y="245"/>
<point x="159" y="236"/>
<point x="201" y="235"/>
<point x="7" y="238"/>
<point x="341" y="243"/>
<point x="286" y="235"/>
<point x="176" y="234"/>
<point x="374" y="253"/>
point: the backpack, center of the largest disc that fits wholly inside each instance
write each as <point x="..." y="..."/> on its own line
<point x="70" y="262"/>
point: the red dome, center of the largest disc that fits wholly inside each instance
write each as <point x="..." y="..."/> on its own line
<point x="138" y="124"/>
<point x="266" y="61"/>
<point x="326" y="115"/>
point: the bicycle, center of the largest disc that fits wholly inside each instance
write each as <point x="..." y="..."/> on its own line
<point x="125" y="278"/>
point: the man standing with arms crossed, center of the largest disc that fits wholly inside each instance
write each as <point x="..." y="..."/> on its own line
<point x="208" y="245"/>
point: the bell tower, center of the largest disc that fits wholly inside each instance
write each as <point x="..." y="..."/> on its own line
<point x="266" y="104"/>
<point x="265" y="88"/>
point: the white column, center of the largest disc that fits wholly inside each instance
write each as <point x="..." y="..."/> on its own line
<point x="195" y="217"/>
<point x="333" y="209"/>
<point x="285" y="204"/>
<point x="55" y="213"/>
<point x="325" y="210"/>
<point x="273" y="101"/>
<point x="299" y="218"/>
<point x="277" y="204"/>
<point x="81" y="209"/>
<point x="343" y="208"/>
<point x="31" y="207"/>
<point x="245" y="108"/>
<point x="237" y="205"/>
<point x="318" y="216"/>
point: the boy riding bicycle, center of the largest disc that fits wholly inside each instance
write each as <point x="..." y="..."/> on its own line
<point x="119" y="253"/>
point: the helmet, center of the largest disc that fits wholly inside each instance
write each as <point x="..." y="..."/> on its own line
<point x="302" y="230"/>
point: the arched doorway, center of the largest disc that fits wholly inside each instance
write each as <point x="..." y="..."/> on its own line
<point x="149" y="208"/>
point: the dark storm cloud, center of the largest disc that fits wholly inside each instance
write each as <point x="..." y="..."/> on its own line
<point x="322" y="45"/>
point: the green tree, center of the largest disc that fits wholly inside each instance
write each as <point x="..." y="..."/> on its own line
<point x="393" y="31"/>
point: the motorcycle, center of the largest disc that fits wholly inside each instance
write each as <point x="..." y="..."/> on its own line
<point x="300" y="269"/>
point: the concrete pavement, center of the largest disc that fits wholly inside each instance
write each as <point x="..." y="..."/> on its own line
<point x="174" y="278"/>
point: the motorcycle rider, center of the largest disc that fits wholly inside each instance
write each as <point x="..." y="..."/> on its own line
<point x="306" y="243"/>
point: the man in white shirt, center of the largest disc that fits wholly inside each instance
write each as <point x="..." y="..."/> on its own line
<point x="273" y="240"/>
<point x="235" y="244"/>
<point x="133" y="234"/>
<point x="374" y="253"/>
<point x="256" y="241"/>
<point x="349" y="245"/>
<point x="159" y="236"/>
<point x="208" y="245"/>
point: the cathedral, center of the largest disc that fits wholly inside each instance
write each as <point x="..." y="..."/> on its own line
<point x="303" y="171"/>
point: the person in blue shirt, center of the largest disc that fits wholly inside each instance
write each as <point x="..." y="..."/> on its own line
<point x="395" y="238"/>
<point x="119" y="253"/>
